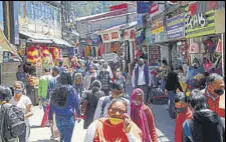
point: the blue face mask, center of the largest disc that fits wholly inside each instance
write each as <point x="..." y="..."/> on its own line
<point x="17" y="91"/>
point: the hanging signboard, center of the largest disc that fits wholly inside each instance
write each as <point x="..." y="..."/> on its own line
<point x="143" y="6"/>
<point x="111" y="36"/>
<point x="175" y="27"/>
<point x="199" y="22"/>
<point x="158" y="30"/>
<point x="156" y="9"/>
<point x="129" y="34"/>
<point x="148" y="36"/>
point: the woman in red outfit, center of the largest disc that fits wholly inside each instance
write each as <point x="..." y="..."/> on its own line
<point x="183" y="113"/>
<point x="142" y="116"/>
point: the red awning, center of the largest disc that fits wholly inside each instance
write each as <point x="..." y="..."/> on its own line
<point x="118" y="7"/>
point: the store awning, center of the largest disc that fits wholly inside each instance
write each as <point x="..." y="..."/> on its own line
<point x="39" y="38"/>
<point x="4" y="43"/>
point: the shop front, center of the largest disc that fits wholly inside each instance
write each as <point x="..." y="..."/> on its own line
<point x="175" y="29"/>
<point x="206" y="46"/>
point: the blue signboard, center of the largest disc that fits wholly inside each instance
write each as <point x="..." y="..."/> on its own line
<point x="16" y="22"/>
<point x="143" y="6"/>
<point x="175" y="27"/>
<point x="1" y="16"/>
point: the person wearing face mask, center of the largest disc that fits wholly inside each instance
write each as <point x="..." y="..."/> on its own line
<point x="90" y="101"/>
<point x="119" y="78"/>
<point x="51" y="86"/>
<point x="117" y="127"/>
<point x="89" y="77"/>
<point x="214" y="90"/>
<point x="205" y="125"/>
<point x="22" y="101"/>
<point x="104" y="102"/>
<point x="141" y="78"/>
<point x="105" y="79"/>
<point x="183" y="113"/>
<point x="142" y="116"/>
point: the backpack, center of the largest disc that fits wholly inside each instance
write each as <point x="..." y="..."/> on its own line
<point x="12" y="123"/>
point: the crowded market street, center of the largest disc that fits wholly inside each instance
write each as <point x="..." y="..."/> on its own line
<point x="112" y="71"/>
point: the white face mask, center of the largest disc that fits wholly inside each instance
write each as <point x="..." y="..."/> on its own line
<point x="136" y="103"/>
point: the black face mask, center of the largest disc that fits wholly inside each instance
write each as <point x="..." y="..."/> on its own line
<point x="180" y="110"/>
<point x="219" y="92"/>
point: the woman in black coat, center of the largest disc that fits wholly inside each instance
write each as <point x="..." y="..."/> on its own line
<point x="90" y="102"/>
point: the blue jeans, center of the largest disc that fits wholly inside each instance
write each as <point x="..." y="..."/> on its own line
<point x="65" y="125"/>
<point x="172" y="110"/>
<point x="163" y="85"/>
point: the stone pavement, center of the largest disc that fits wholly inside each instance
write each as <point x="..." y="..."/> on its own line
<point x="164" y="125"/>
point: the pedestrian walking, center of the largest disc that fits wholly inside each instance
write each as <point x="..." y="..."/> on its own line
<point x="43" y="87"/>
<point x="117" y="127"/>
<point x="172" y="84"/>
<point x="90" y="76"/>
<point x="89" y="104"/>
<point x="141" y="78"/>
<point x="183" y="113"/>
<point x="164" y="70"/>
<point x="214" y="90"/>
<point x="24" y="103"/>
<point x="119" y="78"/>
<point x="142" y="116"/>
<point x="65" y="102"/>
<point x="105" y="79"/>
<point x="206" y="125"/>
<point x="7" y="109"/>
<point x="78" y="80"/>
<point x="104" y="102"/>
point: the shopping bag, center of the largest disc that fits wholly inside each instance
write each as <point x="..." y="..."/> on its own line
<point x="55" y="131"/>
<point x="45" y="117"/>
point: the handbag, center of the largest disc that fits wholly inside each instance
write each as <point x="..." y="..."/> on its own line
<point x="45" y="117"/>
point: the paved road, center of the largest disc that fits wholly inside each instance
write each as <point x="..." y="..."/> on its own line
<point x="165" y="126"/>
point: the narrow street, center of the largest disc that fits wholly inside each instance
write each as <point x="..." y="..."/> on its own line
<point x="165" y="126"/>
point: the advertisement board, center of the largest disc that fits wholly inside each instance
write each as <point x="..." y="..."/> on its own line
<point x="143" y="6"/>
<point x="175" y="27"/>
<point x="158" y="29"/>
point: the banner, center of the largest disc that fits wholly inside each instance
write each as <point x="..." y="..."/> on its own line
<point x="158" y="29"/>
<point x="200" y="24"/>
<point x="143" y="6"/>
<point x="175" y="27"/>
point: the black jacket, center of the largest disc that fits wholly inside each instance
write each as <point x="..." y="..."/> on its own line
<point x="172" y="82"/>
<point x="206" y="126"/>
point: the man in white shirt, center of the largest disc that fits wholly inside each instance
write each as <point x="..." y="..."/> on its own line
<point x="142" y="78"/>
<point x="104" y="102"/>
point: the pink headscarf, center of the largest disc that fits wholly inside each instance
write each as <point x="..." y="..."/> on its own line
<point x="139" y="116"/>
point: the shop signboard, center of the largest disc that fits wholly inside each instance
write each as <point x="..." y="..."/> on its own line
<point x="199" y="22"/>
<point x="148" y="36"/>
<point x="129" y="34"/>
<point x="175" y="27"/>
<point x="158" y="30"/>
<point x="111" y="36"/>
<point x="143" y="6"/>
<point x="156" y="9"/>
<point x="16" y="23"/>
